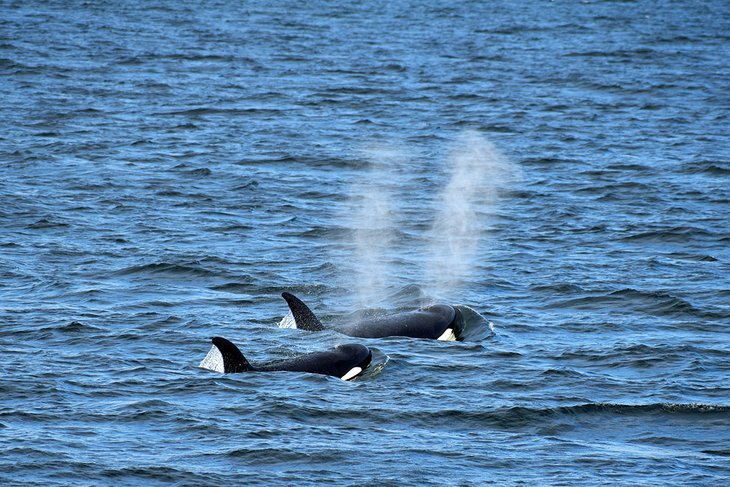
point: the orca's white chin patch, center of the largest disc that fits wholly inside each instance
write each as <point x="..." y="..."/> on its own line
<point x="213" y="361"/>
<point x="352" y="373"/>
<point x="448" y="335"/>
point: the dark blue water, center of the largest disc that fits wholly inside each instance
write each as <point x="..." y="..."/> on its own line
<point x="169" y="169"/>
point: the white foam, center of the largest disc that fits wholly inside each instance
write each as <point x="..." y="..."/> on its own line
<point x="213" y="361"/>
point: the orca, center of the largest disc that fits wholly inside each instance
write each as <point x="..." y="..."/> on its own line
<point x="345" y="361"/>
<point x="436" y="322"/>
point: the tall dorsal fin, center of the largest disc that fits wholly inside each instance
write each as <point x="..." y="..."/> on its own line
<point x="233" y="359"/>
<point x="303" y="316"/>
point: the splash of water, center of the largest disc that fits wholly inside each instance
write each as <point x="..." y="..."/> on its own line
<point x="477" y="169"/>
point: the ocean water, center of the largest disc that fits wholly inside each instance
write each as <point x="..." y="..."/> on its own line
<point x="169" y="168"/>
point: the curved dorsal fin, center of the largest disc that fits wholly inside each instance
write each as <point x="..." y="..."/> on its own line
<point x="303" y="316"/>
<point x="233" y="359"/>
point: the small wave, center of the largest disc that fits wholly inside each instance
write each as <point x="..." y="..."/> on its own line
<point x="722" y="453"/>
<point x="562" y="373"/>
<point x="663" y="357"/>
<point x="630" y="185"/>
<point x="192" y="269"/>
<point x="666" y="408"/>
<point x="157" y="473"/>
<point x="235" y="287"/>
<point x="203" y="111"/>
<point x="695" y="257"/>
<point x="76" y="327"/>
<point x="33" y="452"/>
<point x="522" y="417"/>
<point x="144" y="410"/>
<point x="407" y="294"/>
<point x="268" y="456"/>
<point x="714" y="168"/>
<point x="628" y="167"/>
<point x="203" y="171"/>
<point x="44" y="223"/>
<point x="548" y="161"/>
<point x="377" y="364"/>
<point x="235" y="227"/>
<point x="248" y="185"/>
<point x="673" y="235"/>
<point x="654" y="303"/>
<point x="527" y="416"/>
<point x="637" y="53"/>
<point x="513" y="29"/>
<point x="321" y="232"/>
<point x="310" y="162"/>
<point x="475" y="326"/>
<point x="562" y="288"/>
<point x="362" y="91"/>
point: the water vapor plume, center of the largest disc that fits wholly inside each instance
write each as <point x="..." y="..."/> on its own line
<point x="398" y="233"/>
<point x="476" y="170"/>
<point x="372" y="222"/>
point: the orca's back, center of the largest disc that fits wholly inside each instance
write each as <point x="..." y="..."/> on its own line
<point x="430" y="322"/>
<point x="338" y="362"/>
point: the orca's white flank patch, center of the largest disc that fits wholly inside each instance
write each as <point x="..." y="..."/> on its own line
<point x="352" y="373"/>
<point x="213" y="361"/>
<point x="448" y="335"/>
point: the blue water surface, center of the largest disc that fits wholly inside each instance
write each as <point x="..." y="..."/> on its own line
<point x="169" y="168"/>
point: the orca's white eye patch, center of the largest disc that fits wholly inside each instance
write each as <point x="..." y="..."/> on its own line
<point x="213" y="361"/>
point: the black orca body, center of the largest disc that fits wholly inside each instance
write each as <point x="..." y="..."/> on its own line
<point x="344" y="361"/>
<point x="436" y="322"/>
